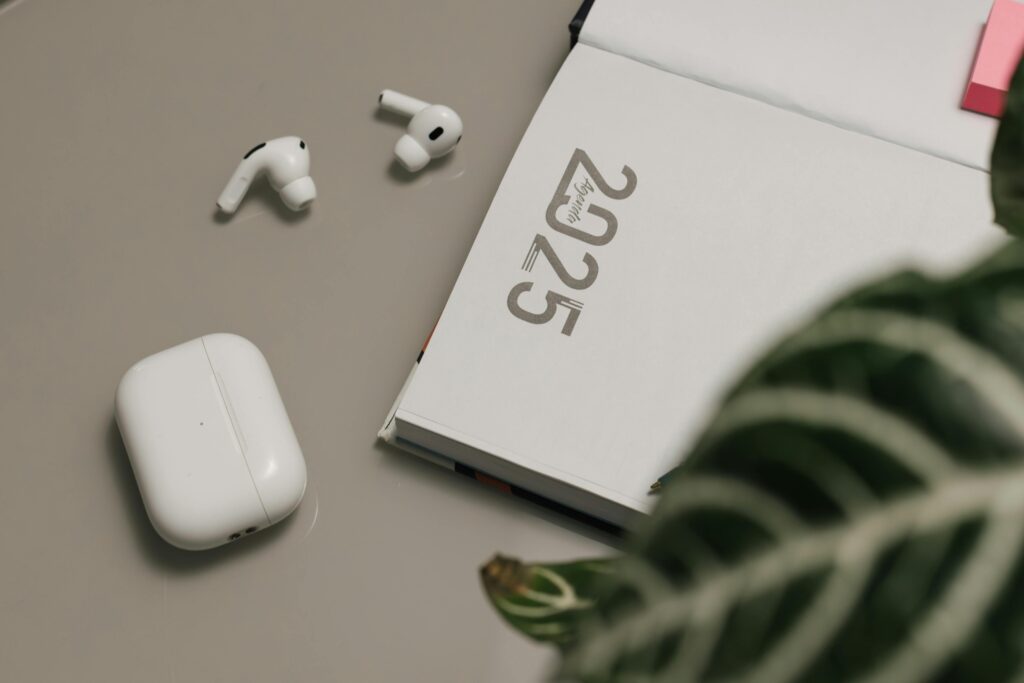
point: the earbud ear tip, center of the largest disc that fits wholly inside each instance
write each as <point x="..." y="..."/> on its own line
<point x="411" y="154"/>
<point x="299" y="194"/>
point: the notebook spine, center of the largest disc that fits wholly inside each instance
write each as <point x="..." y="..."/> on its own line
<point x="389" y="435"/>
<point x="576" y="25"/>
<point x="536" y="499"/>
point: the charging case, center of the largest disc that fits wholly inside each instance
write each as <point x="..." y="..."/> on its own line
<point x="210" y="443"/>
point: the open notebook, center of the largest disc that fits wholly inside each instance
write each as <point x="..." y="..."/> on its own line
<point x="700" y="177"/>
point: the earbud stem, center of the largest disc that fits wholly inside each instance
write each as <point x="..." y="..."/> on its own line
<point x="237" y="186"/>
<point x="401" y="104"/>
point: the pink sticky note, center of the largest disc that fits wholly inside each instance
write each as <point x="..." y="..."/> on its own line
<point x="1001" y="45"/>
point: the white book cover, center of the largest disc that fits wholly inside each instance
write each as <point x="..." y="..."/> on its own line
<point x="652" y="234"/>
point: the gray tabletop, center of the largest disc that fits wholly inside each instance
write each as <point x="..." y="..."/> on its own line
<point x="119" y="124"/>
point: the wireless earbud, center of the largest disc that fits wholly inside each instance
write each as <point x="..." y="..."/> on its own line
<point x="286" y="163"/>
<point x="433" y="132"/>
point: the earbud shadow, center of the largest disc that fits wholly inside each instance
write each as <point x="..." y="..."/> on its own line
<point x="399" y="174"/>
<point x="262" y="193"/>
<point x="156" y="551"/>
<point x="385" y="116"/>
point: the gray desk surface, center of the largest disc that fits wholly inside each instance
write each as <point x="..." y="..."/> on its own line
<point x="119" y="123"/>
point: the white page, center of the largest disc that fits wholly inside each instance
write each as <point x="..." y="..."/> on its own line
<point x="895" y="69"/>
<point x="744" y="219"/>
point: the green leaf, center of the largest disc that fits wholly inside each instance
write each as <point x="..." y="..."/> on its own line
<point x="545" y="602"/>
<point x="853" y="512"/>
<point x="1008" y="160"/>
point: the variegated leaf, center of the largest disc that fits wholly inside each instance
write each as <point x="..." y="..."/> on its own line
<point x="854" y="511"/>
<point x="1008" y="160"/>
<point x="545" y="602"/>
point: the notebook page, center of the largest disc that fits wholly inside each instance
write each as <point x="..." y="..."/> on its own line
<point x="893" y="69"/>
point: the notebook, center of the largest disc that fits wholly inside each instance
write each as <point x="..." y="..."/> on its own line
<point x="699" y="178"/>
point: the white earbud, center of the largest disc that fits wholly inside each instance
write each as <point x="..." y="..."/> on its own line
<point x="286" y="163"/>
<point x="433" y="132"/>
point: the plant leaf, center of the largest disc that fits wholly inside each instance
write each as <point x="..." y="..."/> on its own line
<point x="853" y="512"/>
<point x="545" y="602"/>
<point x="1007" y="164"/>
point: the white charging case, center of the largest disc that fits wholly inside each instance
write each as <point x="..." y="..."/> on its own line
<point x="210" y="443"/>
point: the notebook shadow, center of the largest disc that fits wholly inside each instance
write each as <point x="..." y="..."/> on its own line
<point x="451" y="481"/>
<point x="157" y="552"/>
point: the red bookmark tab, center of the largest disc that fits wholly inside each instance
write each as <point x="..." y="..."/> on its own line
<point x="998" y="54"/>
